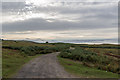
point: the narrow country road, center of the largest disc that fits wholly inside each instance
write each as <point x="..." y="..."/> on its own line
<point x="44" y="66"/>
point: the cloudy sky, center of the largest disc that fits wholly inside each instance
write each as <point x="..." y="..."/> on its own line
<point x="51" y="20"/>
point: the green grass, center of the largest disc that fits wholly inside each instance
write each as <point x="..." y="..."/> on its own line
<point x="92" y="59"/>
<point x="13" y="58"/>
<point x="104" y="51"/>
<point x="22" y="43"/>
<point x="17" y="53"/>
<point x="12" y="61"/>
<point x="76" y="68"/>
<point x="104" y="46"/>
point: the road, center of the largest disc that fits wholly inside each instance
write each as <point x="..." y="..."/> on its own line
<point x="44" y="66"/>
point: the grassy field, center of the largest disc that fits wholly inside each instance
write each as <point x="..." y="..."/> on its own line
<point x="22" y="43"/>
<point x="13" y="61"/>
<point x="77" y="68"/>
<point x="92" y="58"/>
<point x="17" y="53"/>
<point x="109" y="52"/>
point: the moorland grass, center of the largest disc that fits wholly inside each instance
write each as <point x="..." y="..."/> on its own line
<point x="102" y="62"/>
<point x="17" y="53"/>
<point x="12" y="61"/>
<point x="78" y="69"/>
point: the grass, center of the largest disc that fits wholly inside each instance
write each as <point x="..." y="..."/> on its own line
<point x="104" y="46"/>
<point x="104" y="51"/>
<point x="92" y="59"/>
<point x="22" y="43"/>
<point x="76" y="68"/>
<point x="13" y="61"/>
<point x="17" y="53"/>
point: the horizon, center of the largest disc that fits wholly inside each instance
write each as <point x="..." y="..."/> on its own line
<point x="90" y="41"/>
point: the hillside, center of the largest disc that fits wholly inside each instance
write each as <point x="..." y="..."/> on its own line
<point x="17" y="53"/>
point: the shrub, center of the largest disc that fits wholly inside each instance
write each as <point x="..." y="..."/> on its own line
<point x="86" y="56"/>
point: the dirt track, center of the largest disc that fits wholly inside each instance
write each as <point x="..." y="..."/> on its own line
<point x="45" y="66"/>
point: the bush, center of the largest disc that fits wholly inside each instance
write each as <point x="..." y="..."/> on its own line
<point x="86" y="56"/>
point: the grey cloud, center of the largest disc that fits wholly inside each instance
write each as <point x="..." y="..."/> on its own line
<point x="109" y="12"/>
<point x="12" y="6"/>
<point x="41" y="24"/>
<point x="102" y="17"/>
<point x="79" y="7"/>
<point x="63" y="9"/>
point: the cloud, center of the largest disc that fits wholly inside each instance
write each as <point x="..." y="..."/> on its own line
<point x="67" y="10"/>
<point x="64" y="35"/>
<point x="28" y="18"/>
<point x="11" y="8"/>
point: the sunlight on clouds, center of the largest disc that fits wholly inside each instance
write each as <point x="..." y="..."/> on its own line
<point x="38" y="9"/>
<point x="29" y="11"/>
<point x="63" y="35"/>
<point x="60" y="20"/>
<point x="37" y="2"/>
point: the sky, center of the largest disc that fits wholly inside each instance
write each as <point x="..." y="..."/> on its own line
<point x="59" y="20"/>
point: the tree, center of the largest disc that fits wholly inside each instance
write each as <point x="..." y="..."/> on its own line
<point x="46" y="41"/>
